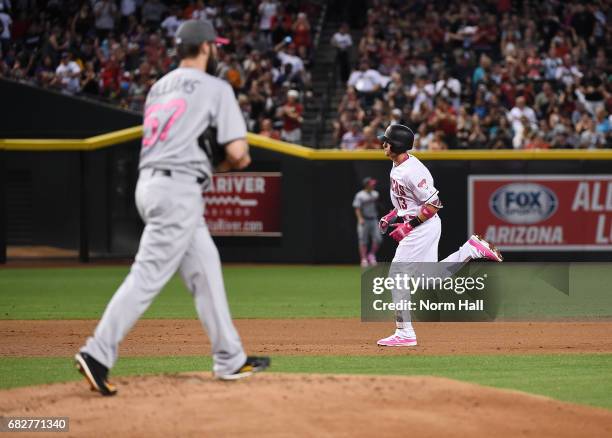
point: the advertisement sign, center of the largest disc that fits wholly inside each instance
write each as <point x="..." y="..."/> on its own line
<point x="542" y="212"/>
<point x="244" y="204"/>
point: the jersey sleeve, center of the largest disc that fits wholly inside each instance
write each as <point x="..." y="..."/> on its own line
<point x="230" y="122"/>
<point x="421" y="184"/>
<point x="357" y="201"/>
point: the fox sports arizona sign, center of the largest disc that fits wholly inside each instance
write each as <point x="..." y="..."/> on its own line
<point x="542" y="212"/>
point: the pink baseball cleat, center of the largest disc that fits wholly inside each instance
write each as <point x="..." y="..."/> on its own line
<point x="372" y="259"/>
<point x="397" y="341"/>
<point x="483" y="249"/>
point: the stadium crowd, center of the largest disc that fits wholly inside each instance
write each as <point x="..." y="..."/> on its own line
<point x="480" y="74"/>
<point x="115" y="50"/>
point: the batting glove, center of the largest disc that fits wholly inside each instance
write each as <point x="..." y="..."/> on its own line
<point x="383" y="224"/>
<point x="401" y="231"/>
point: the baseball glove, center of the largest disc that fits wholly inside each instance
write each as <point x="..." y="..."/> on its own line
<point x="213" y="150"/>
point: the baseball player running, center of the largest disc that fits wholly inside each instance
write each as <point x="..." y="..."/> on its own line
<point x="179" y="109"/>
<point x="366" y="212"/>
<point x="417" y="225"/>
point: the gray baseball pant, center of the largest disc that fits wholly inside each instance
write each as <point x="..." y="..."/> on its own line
<point x="175" y="238"/>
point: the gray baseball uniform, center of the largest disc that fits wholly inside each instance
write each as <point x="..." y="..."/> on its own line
<point x="366" y="202"/>
<point x="179" y="108"/>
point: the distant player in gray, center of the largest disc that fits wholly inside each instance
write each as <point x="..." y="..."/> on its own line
<point x="179" y="109"/>
<point x="366" y="212"/>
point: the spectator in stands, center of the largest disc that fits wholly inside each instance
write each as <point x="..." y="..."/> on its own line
<point x="83" y="21"/>
<point x="232" y="72"/>
<point x="282" y="25"/>
<point x="421" y="93"/>
<point x="368" y="83"/>
<point x="301" y="32"/>
<point x="152" y="12"/>
<point x="449" y="88"/>
<point x="353" y="137"/>
<point x="137" y="92"/>
<point x="105" y="12"/>
<point x="68" y="74"/>
<point x="589" y="137"/>
<point x="350" y="110"/>
<point x="437" y="143"/>
<point x="545" y="100"/>
<point x="291" y="114"/>
<point x="5" y="31"/>
<point x="172" y="22"/>
<point x="397" y="117"/>
<point x="245" y="108"/>
<point x="128" y="8"/>
<point x="285" y="52"/>
<point x="521" y="118"/>
<point x="536" y="141"/>
<point x="343" y="42"/>
<point x="267" y="130"/>
<point x="369" y="140"/>
<point x="267" y="10"/>
<point x="45" y="72"/>
<point x="443" y="119"/>
<point x="604" y="126"/>
<point x="567" y="73"/>
<point x="422" y="138"/>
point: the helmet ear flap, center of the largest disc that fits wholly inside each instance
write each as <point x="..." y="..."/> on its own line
<point x="397" y="149"/>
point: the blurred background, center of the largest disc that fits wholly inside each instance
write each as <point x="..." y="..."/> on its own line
<point x="508" y="99"/>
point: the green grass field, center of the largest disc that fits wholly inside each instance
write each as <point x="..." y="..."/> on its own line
<point x="253" y="292"/>
<point x="277" y="292"/>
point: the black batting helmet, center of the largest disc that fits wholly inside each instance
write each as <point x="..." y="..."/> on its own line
<point x="400" y="138"/>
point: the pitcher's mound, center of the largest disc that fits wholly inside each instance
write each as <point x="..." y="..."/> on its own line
<point x="194" y="404"/>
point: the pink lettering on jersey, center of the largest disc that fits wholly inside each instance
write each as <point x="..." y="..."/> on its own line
<point x="400" y="193"/>
<point x="397" y="188"/>
<point x="153" y="114"/>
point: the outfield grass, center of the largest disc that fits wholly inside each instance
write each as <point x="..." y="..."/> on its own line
<point x="581" y="378"/>
<point x="253" y="292"/>
<point x="293" y="292"/>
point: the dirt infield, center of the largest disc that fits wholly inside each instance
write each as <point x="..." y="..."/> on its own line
<point x="312" y="337"/>
<point x="280" y="405"/>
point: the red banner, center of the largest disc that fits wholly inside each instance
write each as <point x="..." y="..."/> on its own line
<point x="244" y="204"/>
<point x="542" y="212"/>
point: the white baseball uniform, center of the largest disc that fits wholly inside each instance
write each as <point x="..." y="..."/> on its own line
<point x="412" y="186"/>
<point x="179" y="108"/>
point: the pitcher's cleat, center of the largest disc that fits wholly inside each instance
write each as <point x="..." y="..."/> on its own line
<point x="397" y="341"/>
<point x="483" y="249"/>
<point x="253" y="364"/>
<point x="95" y="373"/>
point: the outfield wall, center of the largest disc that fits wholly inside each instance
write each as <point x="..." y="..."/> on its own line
<point x="43" y="199"/>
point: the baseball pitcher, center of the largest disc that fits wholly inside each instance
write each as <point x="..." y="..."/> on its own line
<point x="415" y="223"/>
<point x="189" y="118"/>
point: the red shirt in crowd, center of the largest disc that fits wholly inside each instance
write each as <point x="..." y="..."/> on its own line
<point x="289" y="123"/>
<point x="301" y="35"/>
